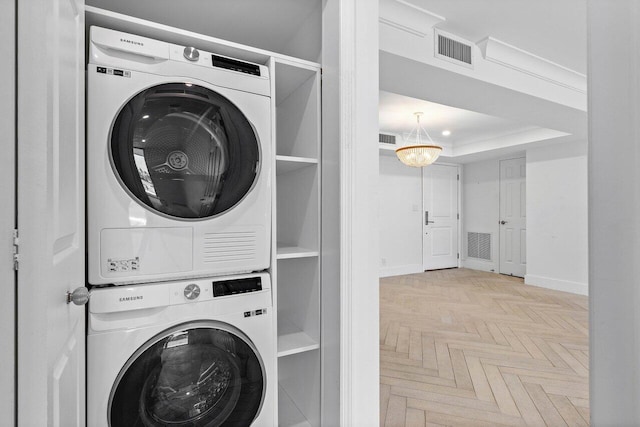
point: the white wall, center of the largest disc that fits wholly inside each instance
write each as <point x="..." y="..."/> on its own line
<point x="557" y="231"/>
<point x="307" y="42"/>
<point x="481" y="209"/>
<point x="556" y="215"/>
<point x="614" y="209"/>
<point x="400" y="217"/>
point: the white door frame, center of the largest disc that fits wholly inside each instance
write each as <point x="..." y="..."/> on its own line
<point x="7" y="213"/>
<point x="358" y="85"/>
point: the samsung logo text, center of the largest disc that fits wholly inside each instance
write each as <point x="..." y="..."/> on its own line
<point x="132" y="42"/>
<point x="126" y="299"/>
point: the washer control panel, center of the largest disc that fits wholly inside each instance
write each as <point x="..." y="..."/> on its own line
<point x="238" y="286"/>
<point x="241" y="293"/>
<point x="187" y="292"/>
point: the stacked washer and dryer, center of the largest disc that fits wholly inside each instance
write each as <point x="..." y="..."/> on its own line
<point x="180" y="327"/>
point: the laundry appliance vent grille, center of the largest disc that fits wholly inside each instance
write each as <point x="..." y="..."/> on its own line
<point x="479" y="245"/>
<point x="229" y="246"/>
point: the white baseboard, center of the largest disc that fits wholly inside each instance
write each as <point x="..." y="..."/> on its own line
<point x="400" y="270"/>
<point x="557" y="284"/>
<point x="474" y="264"/>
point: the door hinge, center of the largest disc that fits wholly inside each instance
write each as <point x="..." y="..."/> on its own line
<point x="16" y="251"/>
<point x="458" y="215"/>
<point x="458" y="255"/>
<point x="458" y="177"/>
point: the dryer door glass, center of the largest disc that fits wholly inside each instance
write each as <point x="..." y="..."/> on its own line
<point x="184" y="151"/>
<point x="202" y="374"/>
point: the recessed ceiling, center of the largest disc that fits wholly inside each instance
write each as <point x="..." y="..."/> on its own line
<point x="552" y="29"/>
<point x="502" y="120"/>
<point x="396" y="116"/>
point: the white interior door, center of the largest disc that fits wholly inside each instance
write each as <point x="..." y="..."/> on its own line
<point x="7" y="213"/>
<point x="51" y="336"/>
<point x="513" y="224"/>
<point x="440" y="221"/>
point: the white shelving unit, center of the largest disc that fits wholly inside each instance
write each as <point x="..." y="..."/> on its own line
<point x="296" y="270"/>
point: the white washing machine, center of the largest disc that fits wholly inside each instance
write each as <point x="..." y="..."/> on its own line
<point x="183" y="353"/>
<point x="178" y="161"/>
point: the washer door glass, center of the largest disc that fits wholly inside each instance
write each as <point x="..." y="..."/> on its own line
<point x="184" y="151"/>
<point x="200" y="375"/>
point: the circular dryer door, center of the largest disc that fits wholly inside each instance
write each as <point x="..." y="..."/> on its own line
<point x="184" y="151"/>
<point x="201" y="374"/>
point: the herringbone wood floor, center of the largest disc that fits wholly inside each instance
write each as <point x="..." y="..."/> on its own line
<point x="466" y="348"/>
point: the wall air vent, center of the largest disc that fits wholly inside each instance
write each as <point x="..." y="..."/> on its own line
<point x="386" y="139"/>
<point x="454" y="49"/>
<point x="479" y="245"/>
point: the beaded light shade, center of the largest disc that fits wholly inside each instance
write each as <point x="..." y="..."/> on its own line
<point x="419" y="154"/>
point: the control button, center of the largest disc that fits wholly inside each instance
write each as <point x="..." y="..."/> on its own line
<point x="192" y="291"/>
<point x="191" y="53"/>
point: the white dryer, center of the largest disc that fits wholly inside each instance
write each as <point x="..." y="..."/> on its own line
<point x="178" y="161"/>
<point x="183" y="353"/>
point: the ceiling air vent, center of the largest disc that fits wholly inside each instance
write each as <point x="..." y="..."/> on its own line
<point x="454" y="50"/>
<point x="387" y="139"/>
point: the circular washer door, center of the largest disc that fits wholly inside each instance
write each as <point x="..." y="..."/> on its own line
<point x="184" y="151"/>
<point x="201" y="374"/>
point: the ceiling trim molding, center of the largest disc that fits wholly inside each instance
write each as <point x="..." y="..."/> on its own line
<point x="504" y="54"/>
<point x="408" y="17"/>
<point x="506" y="141"/>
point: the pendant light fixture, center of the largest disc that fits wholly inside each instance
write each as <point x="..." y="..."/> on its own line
<point x="419" y="151"/>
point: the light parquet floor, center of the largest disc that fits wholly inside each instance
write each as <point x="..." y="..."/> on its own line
<point x="467" y="348"/>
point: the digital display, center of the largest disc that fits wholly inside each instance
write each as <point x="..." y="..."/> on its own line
<point x="235" y="65"/>
<point x="239" y="286"/>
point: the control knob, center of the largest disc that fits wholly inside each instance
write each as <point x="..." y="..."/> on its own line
<point x="191" y="53"/>
<point x="191" y="291"/>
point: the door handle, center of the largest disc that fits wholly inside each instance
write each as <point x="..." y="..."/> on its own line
<point x="80" y="296"/>
<point x="503" y="222"/>
<point x="426" y="218"/>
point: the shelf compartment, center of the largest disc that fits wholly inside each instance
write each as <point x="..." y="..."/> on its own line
<point x="285" y="164"/>
<point x="297" y="111"/>
<point x="299" y="383"/>
<point x="292" y="252"/>
<point x="299" y="303"/>
<point x="291" y="340"/>
<point x="289" y="78"/>
<point x="298" y="208"/>
<point x="288" y="413"/>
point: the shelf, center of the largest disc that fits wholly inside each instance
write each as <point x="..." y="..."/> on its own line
<point x="291" y="340"/>
<point x="285" y="164"/>
<point x="288" y="413"/>
<point x="291" y="252"/>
